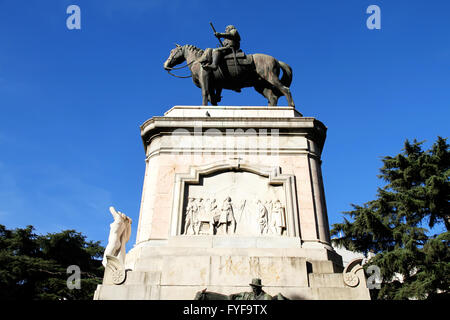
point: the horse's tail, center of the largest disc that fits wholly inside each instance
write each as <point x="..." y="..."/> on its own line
<point x="286" y="78"/>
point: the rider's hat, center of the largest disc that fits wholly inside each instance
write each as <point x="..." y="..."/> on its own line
<point x="256" y="282"/>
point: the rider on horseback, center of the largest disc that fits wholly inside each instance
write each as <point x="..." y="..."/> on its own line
<point x="260" y="71"/>
<point x="232" y="43"/>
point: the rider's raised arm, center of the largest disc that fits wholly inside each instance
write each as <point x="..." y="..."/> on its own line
<point x="228" y="35"/>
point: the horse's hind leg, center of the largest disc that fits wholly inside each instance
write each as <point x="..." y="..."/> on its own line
<point x="268" y="69"/>
<point x="271" y="97"/>
<point x="273" y="80"/>
<point x="215" y="97"/>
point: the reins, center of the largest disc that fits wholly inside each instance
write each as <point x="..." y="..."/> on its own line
<point x="182" y="67"/>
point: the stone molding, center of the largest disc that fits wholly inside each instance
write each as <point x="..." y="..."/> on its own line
<point x="285" y="119"/>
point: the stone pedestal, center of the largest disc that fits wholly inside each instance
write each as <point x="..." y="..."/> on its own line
<point x="231" y="194"/>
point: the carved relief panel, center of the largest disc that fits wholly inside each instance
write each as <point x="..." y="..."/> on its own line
<point x="234" y="202"/>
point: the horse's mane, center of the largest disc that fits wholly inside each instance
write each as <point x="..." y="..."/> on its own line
<point x="191" y="47"/>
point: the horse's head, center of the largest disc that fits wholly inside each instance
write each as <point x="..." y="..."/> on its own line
<point x="176" y="57"/>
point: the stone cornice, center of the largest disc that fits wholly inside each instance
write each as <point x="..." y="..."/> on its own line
<point x="313" y="128"/>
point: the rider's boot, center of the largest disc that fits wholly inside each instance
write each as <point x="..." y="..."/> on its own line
<point x="204" y="59"/>
<point x="215" y="61"/>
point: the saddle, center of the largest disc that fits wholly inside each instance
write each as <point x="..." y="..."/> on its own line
<point x="241" y="58"/>
<point x="229" y="67"/>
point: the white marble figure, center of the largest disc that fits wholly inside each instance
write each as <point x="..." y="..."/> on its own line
<point x="199" y="215"/>
<point x="269" y="206"/>
<point x="119" y="234"/>
<point x="278" y="218"/>
<point x="262" y="217"/>
<point x="226" y="217"/>
<point x="211" y="208"/>
<point x="191" y="217"/>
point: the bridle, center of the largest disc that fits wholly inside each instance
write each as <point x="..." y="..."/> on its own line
<point x="182" y="67"/>
<point x="174" y="75"/>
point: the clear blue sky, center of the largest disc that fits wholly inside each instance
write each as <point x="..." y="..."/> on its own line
<point x="71" y="101"/>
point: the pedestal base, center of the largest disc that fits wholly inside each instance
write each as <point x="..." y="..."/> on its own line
<point x="177" y="268"/>
<point x="231" y="194"/>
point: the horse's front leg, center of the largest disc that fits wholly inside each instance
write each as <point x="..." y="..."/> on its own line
<point x="204" y="97"/>
<point x="203" y="79"/>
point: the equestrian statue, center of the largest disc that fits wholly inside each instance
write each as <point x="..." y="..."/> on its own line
<point x="228" y="67"/>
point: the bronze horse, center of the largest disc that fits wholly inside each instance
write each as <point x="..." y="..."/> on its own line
<point x="262" y="74"/>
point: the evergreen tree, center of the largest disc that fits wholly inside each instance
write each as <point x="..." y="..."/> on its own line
<point x="398" y="225"/>
<point x="34" y="267"/>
